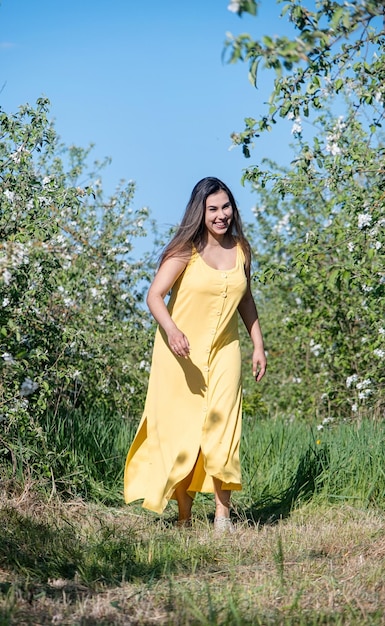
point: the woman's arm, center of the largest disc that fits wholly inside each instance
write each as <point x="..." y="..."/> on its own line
<point x="249" y="314"/>
<point x="167" y="274"/>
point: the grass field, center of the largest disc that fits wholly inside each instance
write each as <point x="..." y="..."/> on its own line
<point x="309" y="547"/>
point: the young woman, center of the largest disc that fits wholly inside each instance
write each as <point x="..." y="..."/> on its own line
<point x="188" y="438"/>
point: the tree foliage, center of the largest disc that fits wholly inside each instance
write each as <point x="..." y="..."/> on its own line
<point x="73" y="331"/>
<point x="320" y="244"/>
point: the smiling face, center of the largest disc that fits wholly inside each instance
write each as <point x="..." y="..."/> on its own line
<point x="218" y="214"/>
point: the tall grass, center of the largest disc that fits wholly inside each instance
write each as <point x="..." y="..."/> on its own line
<point x="82" y="456"/>
<point x="89" y="453"/>
<point x="286" y="464"/>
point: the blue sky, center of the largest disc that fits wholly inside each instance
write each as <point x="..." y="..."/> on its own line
<point x="145" y="82"/>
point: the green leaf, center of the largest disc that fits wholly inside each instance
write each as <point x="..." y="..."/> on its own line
<point x="337" y="15"/>
<point x="285" y="108"/>
<point x="268" y="41"/>
<point x="338" y="84"/>
<point x="250" y="6"/>
<point x="253" y="72"/>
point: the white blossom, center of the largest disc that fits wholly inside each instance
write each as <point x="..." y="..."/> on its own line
<point x="364" y="219"/>
<point x="354" y="408"/>
<point x="340" y="125"/>
<point x="296" y="129"/>
<point x="5" y="303"/>
<point x="8" y="358"/>
<point x="308" y="236"/>
<point x="333" y="148"/>
<point x="234" y="6"/>
<point x="351" y="380"/>
<point x="28" y="386"/>
<point x="7" y="276"/>
<point x="19" y="254"/>
<point x="283" y="223"/>
<point x="364" y="383"/>
<point x="333" y="137"/>
<point x="350" y="246"/>
<point x="258" y="210"/>
<point x="10" y="195"/>
<point x="16" y="156"/>
<point x="379" y="353"/>
<point x="381" y="331"/>
<point x="315" y="348"/>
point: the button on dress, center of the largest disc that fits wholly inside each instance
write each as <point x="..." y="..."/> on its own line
<point x="193" y="408"/>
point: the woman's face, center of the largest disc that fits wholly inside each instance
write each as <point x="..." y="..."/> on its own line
<point x="218" y="214"/>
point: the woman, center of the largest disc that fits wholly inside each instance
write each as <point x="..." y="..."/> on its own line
<point x="188" y="438"/>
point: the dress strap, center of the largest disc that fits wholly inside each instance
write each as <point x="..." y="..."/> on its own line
<point x="240" y="254"/>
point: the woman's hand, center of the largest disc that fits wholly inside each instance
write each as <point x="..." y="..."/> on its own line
<point x="178" y="343"/>
<point x="259" y="363"/>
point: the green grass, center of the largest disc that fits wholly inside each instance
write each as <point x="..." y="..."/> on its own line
<point x="309" y="547"/>
<point x="286" y="464"/>
<point x="89" y="564"/>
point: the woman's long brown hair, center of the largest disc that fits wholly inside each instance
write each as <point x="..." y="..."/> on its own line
<point x="191" y="230"/>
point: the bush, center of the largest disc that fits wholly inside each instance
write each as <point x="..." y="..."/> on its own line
<point x="74" y="332"/>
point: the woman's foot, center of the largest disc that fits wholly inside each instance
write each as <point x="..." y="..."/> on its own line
<point x="223" y="525"/>
<point x="183" y="523"/>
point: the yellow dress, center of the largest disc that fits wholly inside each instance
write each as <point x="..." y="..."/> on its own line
<point x="192" y="413"/>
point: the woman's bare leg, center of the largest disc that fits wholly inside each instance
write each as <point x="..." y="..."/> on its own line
<point x="222" y="499"/>
<point x="184" y="500"/>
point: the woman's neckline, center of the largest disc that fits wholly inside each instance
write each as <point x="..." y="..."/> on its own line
<point x="219" y="269"/>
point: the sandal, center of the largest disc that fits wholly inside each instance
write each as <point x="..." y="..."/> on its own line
<point x="223" y="525"/>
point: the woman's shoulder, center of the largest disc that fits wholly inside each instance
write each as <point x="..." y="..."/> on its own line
<point x="239" y="245"/>
<point x="244" y="251"/>
<point x="181" y="254"/>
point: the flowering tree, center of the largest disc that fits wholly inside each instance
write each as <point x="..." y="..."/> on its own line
<point x="321" y="221"/>
<point x="73" y="331"/>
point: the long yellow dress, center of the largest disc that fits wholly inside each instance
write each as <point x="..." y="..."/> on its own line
<point x="192" y="413"/>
